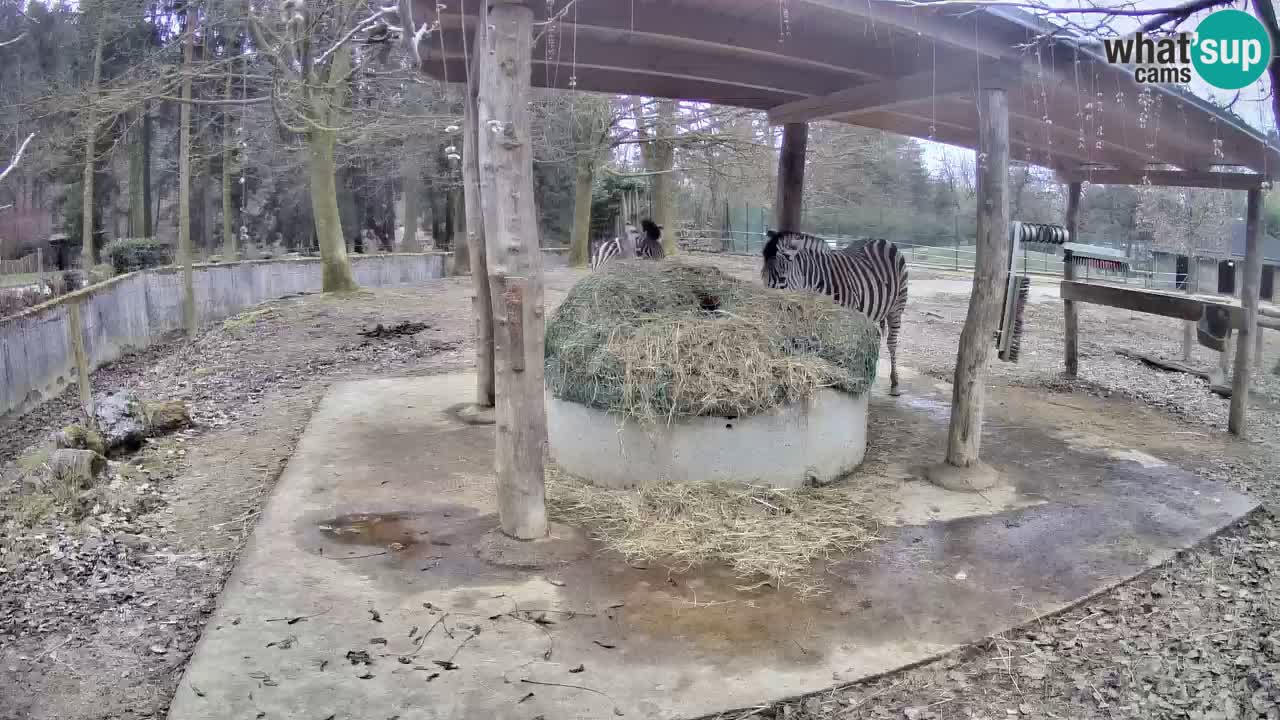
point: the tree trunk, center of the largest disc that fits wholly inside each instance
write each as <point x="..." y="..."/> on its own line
<point x="788" y="208"/>
<point x="1249" y="293"/>
<point x="228" y="157"/>
<point x="664" y="184"/>
<point x="515" y="268"/>
<point x="329" y="101"/>
<point x="580" y="239"/>
<point x="137" y="213"/>
<point x="411" y="183"/>
<point x="87" y="255"/>
<point x="458" y="232"/>
<point x="989" y="271"/>
<point x="1069" y="310"/>
<point x="147" y="218"/>
<point x="482" y="303"/>
<point x="184" y="179"/>
<point x="335" y="265"/>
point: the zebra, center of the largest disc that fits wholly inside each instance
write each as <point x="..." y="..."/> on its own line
<point x="648" y="246"/>
<point x="870" y="278"/>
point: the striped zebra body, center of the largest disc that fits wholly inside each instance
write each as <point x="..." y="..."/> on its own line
<point x="870" y="278"/>
<point x="648" y="246"/>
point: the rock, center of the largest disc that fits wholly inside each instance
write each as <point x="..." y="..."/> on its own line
<point x="125" y="420"/>
<point x="76" y="437"/>
<point x="120" y="420"/>
<point x="73" y="471"/>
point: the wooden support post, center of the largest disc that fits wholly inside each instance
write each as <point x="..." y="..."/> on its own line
<point x="1069" y="310"/>
<point x="788" y="205"/>
<point x="481" y="301"/>
<point x="1249" y="303"/>
<point x="990" y="265"/>
<point x="75" y="335"/>
<point x="514" y="266"/>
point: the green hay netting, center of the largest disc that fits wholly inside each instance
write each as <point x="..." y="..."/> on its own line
<point x="659" y="340"/>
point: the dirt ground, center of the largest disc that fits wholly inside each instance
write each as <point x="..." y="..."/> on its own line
<point x="100" y="611"/>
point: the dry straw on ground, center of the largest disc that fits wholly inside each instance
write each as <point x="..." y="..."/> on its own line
<point x="656" y="341"/>
<point x="762" y="534"/>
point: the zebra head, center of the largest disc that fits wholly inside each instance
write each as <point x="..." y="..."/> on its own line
<point x="781" y="251"/>
<point x="771" y="271"/>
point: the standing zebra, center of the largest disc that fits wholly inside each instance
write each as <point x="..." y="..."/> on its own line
<point x="648" y="246"/>
<point x="870" y="278"/>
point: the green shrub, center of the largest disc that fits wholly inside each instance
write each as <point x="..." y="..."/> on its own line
<point x="130" y="254"/>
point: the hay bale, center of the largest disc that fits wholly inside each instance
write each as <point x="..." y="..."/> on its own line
<point x="765" y="535"/>
<point x="655" y="341"/>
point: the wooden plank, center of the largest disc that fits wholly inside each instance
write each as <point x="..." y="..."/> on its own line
<point x="991" y="261"/>
<point x="1171" y="178"/>
<point x="1144" y="301"/>
<point x="1249" y="303"/>
<point x="892" y="92"/>
<point x="789" y="206"/>
<point x="1069" y="310"/>
<point x="481" y="301"/>
<point x="514" y="266"/>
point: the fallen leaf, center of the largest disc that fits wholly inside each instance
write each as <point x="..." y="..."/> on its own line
<point x="526" y="697"/>
<point x="557" y="583"/>
<point x="403" y="660"/>
<point x="358" y="656"/>
<point x="606" y="646"/>
<point x="446" y="664"/>
<point x="374" y="614"/>
<point x="377" y="641"/>
<point x="365" y="676"/>
<point x="197" y="691"/>
<point x="432" y="676"/>
<point x="413" y="631"/>
<point x="578" y="669"/>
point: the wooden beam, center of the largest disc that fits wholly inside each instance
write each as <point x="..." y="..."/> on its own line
<point x="956" y="31"/>
<point x="892" y="92"/>
<point x="789" y="205"/>
<point x="1170" y="178"/>
<point x="1069" y="310"/>
<point x="481" y="301"/>
<point x="1181" y="307"/>
<point x="1249" y="303"/>
<point x="991" y="261"/>
<point x="514" y="266"/>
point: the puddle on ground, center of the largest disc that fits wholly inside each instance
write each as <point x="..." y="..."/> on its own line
<point x="376" y="530"/>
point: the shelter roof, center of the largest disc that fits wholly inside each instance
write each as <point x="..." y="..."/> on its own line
<point x="908" y="70"/>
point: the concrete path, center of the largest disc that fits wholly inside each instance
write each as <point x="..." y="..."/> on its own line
<point x="362" y="596"/>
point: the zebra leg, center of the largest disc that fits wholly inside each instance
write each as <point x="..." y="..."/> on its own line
<point x="895" y="324"/>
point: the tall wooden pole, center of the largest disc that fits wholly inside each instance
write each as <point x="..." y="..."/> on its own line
<point x="1249" y="302"/>
<point x="788" y="205"/>
<point x="989" y="268"/>
<point x="481" y="302"/>
<point x="1069" y="310"/>
<point x="514" y="265"/>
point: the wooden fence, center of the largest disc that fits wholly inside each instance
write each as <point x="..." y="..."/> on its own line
<point x="26" y="264"/>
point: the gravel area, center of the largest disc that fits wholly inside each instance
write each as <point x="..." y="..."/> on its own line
<point x="100" y="606"/>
